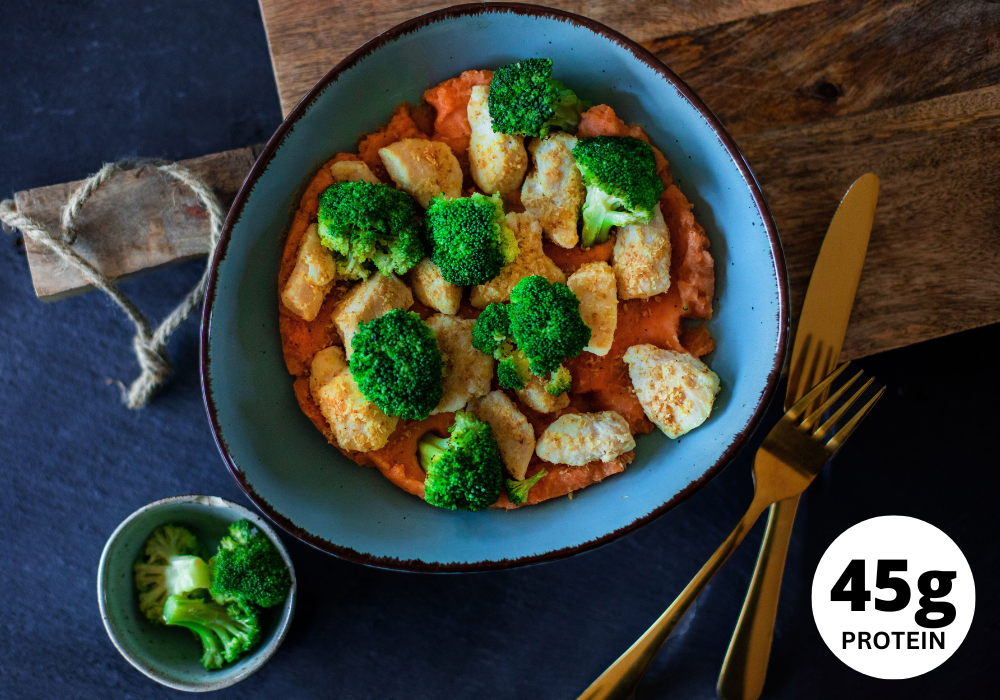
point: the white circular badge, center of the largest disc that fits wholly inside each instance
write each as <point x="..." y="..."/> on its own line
<point x="893" y="597"/>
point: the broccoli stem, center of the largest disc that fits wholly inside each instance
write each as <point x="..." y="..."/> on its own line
<point x="431" y="447"/>
<point x="187" y="573"/>
<point x="596" y="222"/>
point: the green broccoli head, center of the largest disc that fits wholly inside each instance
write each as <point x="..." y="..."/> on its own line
<point x="368" y="227"/>
<point x="397" y="364"/>
<point x="168" y="566"/>
<point x="491" y="334"/>
<point x="622" y="185"/>
<point x="464" y="471"/>
<point x="525" y="99"/>
<point x="546" y="324"/>
<point x="469" y="238"/>
<point x="225" y="631"/>
<point x="517" y="491"/>
<point x="248" y="568"/>
<point x="559" y="382"/>
<point x="513" y="371"/>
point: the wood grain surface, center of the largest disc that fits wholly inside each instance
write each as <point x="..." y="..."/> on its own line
<point x="816" y="94"/>
<point x="135" y="222"/>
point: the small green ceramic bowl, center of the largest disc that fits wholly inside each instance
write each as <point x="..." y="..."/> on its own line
<point x="171" y="655"/>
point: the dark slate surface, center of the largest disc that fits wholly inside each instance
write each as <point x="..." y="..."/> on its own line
<point x="85" y="82"/>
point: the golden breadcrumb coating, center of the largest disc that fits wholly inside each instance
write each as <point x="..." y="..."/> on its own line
<point x="676" y="390"/>
<point x="580" y="438"/>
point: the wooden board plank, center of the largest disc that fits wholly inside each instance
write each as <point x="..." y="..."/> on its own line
<point x="134" y="222"/>
<point x="933" y="264"/>
<point x="308" y="37"/>
<point x="836" y="58"/>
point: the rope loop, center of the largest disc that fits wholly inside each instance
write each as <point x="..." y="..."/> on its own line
<point x="150" y="346"/>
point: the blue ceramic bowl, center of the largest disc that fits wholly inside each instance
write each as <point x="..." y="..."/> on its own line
<point x="307" y="486"/>
<point x="171" y="655"/>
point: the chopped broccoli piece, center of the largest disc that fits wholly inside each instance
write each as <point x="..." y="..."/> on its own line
<point x="525" y="99"/>
<point x="464" y="471"/>
<point x="513" y="371"/>
<point x="248" y="568"/>
<point x="546" y="324"/>
<point x="168" y="567"/>
<point x="397" y="364"/>
<point x="469" y="237"/>
<point x="533" y="334"/>
<point x="369" y="227"/>
<point x="225" y="631"/>
<point x="491" y="334"/>
<point x="560" y="381"/>
<point x="517" y="491"/>
<point x="622" y="185"/>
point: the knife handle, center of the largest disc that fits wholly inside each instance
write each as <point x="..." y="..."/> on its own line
<point x="745" y="667"/>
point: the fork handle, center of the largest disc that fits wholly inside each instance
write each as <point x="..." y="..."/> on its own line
<point x="621" y="678"/>
<point x="745" y="668"/>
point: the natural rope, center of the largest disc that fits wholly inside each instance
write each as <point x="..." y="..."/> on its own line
<point x="150" y="346"/>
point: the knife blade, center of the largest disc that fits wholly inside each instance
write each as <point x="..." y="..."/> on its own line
<point x="826" y="312"/>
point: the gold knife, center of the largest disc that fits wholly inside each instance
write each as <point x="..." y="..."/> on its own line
<point x="818" y="339"/>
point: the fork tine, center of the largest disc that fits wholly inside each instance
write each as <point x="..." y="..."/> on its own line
<point x="832" y="420"/>
<point x="796" y="411"/>
<point x="809" y="421"/>
<point x="838" y="440"/>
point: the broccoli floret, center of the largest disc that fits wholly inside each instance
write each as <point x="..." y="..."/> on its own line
<point x="225" y="631"/>
<point x="368" y="227"/>
<point x="525" y="99"/>
<point x="513" y="371"/>
<point x="491" y="334"/>
<point x="464" y="471"/>
<point x="546" y="324"/>
<point x="168" y="566"/>
<point x="397" y="364"/>
<point x="622" y="185"/>
<point x="517" y="491"/>
<point x="560" y="381"/>
<point x="248" y="568"/>
<point x="469" y="238"/>
<point x="548" y="329"/>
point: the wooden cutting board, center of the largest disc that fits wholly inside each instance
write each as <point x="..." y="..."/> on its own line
<point x="815" y="93"/>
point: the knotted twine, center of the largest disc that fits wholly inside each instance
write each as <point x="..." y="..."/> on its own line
<point x="150" y="346"/>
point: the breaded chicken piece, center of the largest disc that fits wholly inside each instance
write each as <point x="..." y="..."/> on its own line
<point x="531" y="260"/>
<point x="353" y="171"/>
<point x="368" y="300"/>
<point x="642" y="258"/>
<point x="513" y="433"/>
<point x="432" y="289"/>
<point x="356" y="423"/>
<point x="423" y="168"/>
<point x="497" y="161"/>
<point x="312" y="277"/>
<point x="595" y="287"/>
<point x="468" y="371"/>
<point x="676" y="390"/>
<point x="581" y="438"/>
<point x="553" y="192"/>
<point x="534" y="396"/>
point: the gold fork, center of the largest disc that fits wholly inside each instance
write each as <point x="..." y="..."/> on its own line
<point x="792" y="454"/>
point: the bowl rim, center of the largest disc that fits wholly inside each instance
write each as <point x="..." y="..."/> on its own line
<point x="278" y="138"/>
<point x="259" y="657"/>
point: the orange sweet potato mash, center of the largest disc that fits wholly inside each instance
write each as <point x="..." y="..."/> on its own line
<point x="599" y="383"/>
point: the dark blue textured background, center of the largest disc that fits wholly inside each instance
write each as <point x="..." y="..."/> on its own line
<point x="86" y="82"/>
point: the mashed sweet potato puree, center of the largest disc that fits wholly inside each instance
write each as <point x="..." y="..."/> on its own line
<point x="599" y="383"/>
